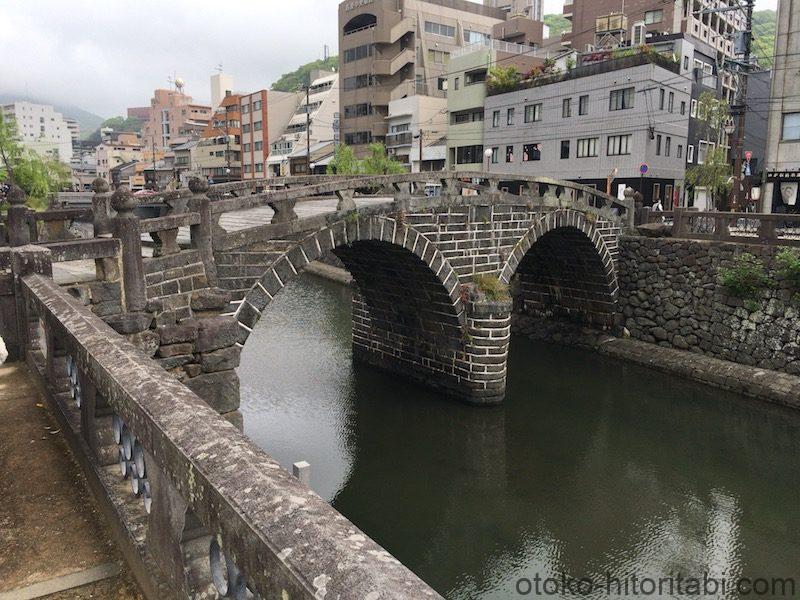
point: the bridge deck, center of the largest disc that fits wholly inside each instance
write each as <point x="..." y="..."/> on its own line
<point x="53" y="543"/>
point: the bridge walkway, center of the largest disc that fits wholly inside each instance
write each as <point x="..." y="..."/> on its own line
<point x="53" y="541"/>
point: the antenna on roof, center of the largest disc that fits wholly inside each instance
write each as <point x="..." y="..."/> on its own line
<point x="218" y="68"/>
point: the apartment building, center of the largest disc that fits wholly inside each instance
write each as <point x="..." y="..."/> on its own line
<point x="218" y="154"/>
<point x="118" y="149"/>
<point x="265" y="115"/>
<point x="467" y="93"/>
<point x="316" y="112"/>
<point x="604" y="23"/>
<point x="783" y="133"/>
<point x="173" y="119"/>
<point x="418" y="125"/>
<point x="533" y="9"/>
<point x="41" y="129"/>
<point x="392" y="49"/>
<point x="594" y="122"/>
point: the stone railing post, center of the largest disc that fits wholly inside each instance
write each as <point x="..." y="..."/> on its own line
<point x="767" y="230"/>
<point x="678" y="222"/>
<point x="126" y="228"/>
<point x="101" y="208"/>
<point x="630" y="208"/>
<point x="25" y="260"/>
<point x="202" y="234"/>
<point x="19" y="233"/>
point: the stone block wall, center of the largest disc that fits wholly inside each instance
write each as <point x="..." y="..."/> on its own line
<point x="670" y="295"/>
<point x="171" y="280"/>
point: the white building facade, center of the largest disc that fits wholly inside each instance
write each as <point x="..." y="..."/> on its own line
<point x="41" y="129"/>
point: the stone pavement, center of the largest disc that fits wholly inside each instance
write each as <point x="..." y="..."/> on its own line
<point x="53" y="541"/>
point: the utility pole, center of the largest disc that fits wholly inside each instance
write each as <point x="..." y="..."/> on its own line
<point x="155" y="174"/>
<point x="420" y="150"/>
<point x="742" y="107"/>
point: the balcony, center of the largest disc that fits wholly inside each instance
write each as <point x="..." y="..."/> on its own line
<point x="385" y="66"/>
<point x="399" y="139"/>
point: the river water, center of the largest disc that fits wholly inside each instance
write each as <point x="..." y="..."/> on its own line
<point x="591" y="468"/>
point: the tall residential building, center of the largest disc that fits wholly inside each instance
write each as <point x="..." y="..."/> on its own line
<point x="218" y="154"/>
<point x="392" y="49"/>
<point x="221" y="83"/>
<point x="602" y="23"/>
<point x="41" y="128"/>
<point x="320" y="110"/>
<point x="142" y="113"/>
<point x="265" y="115"/>
<point x="174" y="119"/>
<point x="74" y="129"/>
<point x="118" y="149"/>
<point x="783" y="135"/>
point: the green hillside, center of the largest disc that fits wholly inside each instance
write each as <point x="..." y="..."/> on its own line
<point x="764" y="22"/>
<point x="557" y="24"/>
<point x="290" y="82"/>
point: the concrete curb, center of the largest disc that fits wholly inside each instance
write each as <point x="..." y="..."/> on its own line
<point x="761" y="384"/>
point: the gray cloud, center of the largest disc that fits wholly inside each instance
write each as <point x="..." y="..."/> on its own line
<point x="106" y="56"/>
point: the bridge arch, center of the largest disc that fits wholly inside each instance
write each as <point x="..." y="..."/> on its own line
<point x="565" y="268"/>
<point x="408" y="314"/>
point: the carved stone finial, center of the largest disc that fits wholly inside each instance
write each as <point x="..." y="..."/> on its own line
<point x="123" y="200"/>
<point x="198" y="185"/>
<point x="628" y="192"/>
<point x="100" y="186"/>
<point x="15" y="195"/>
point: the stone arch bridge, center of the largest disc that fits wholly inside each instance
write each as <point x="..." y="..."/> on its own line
<point x="432" y="263"/>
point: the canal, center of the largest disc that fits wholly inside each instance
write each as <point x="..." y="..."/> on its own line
<point x="591" y="468"/>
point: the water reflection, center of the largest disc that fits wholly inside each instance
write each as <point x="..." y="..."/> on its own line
<point x="590" y="467"/>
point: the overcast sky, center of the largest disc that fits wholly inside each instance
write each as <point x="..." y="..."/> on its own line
<point x="107" y="56"/>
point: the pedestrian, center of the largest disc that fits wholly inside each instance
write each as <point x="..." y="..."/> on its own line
<point x="3" y="351"/>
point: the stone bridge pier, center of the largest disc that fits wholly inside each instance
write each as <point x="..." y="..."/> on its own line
<point x="432" y="275"/>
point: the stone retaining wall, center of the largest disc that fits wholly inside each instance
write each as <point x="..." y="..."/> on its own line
<point x="670" y="295"/>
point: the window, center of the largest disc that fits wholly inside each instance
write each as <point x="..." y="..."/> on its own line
<point x="256" y="105"/>
<point x="355" y="83"/>
<point x="258" y="146"/>
<point x="638" y="34"/>
<point x="683" y="108"/>
<point x="509" y="154"/>
<point x="690" y="154"/>
<point x="438" y="57"/>
<point x="587" y="147"/>
<point x="357" y="110"/>
<point x="245" y="109"/>
<point x="668" y="195"/>
<point x="583" y="105"/>
<point x="531" y="152"/>
<point x="496" y="118"/>
<point x="457" y="83"/>
<point x="245" y="147"/>
<point x="533" y="113"/>
<point x="510" y="116"/>
<point x="671" y="102"/>
<point x="661" y="99"/>
<point x="680" y="150"/>
<point x="246" y="128"/>
<point x="358" y="138"/>
<point x="566" y="108"/>
<point x="621" y="99"/>
<point x="686" y="62"/>
<point x="653" y="16"/>
<point x="791" y="126"/>
<point x="257" y="126"/>
<point x="667" y="146"/>
<point x="441" y="84"/>
<point x="495" y="155"/>
<point x="469" y="154"/>
<point x="259" y="167"/>
<point x="440" y="29"/>
<point x="703" y="148"/>
<point x="659" y="140"/>
<point x="466" y="116"/>
<point x="564" y="149"/>
<point x="247" y="168"/>
<point x="693" y="109"/>
<point x="475" y="37"/>
<point x="473" y="77"/>
<point x="656" y="192"/>
<point x="359" y="52"/>
<point x="618" y="145"/>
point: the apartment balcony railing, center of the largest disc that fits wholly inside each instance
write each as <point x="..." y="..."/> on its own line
<point x="398" y="139"/>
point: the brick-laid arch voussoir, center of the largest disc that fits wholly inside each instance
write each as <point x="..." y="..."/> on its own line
<point x="294" y="261"/>
<point x="556" y="220"/>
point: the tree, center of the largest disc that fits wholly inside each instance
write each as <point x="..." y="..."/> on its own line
<point x="291" y="82"/>
<point x="344" y="162"/>
<point x="378" y="163"/>
<point x="714" y="112"/>
<point x="503" y="79"/>
<point x="38" y="176"/>
<point x="714" y="175"/>
<point x="557" y="24"/>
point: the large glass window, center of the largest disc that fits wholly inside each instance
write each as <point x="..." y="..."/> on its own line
<point x="510" y="116"/>
<point x="474" y="37"/>
<point x="583" y="105"/>
<point x="359" y="52"/>
<point x="621" y="99"/>
<point x="564" y="149"/>
<point x="587" y="147"/>
<point x="566" y="108"/>
<point x="496" y="118"/>
<point x="469" y="155"/>
<point x="653" y="16"/>
<point x="791" y="126"/>
<point x="619" y="145"/>
<point x="531" y="152"/>
<point x="440" y="29"/>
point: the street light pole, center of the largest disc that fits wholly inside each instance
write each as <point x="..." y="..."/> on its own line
<point x="737" y="176"/>
<point x="308" y="129"/>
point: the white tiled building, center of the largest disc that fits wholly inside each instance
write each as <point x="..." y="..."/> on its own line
<point x="41" y="129"/>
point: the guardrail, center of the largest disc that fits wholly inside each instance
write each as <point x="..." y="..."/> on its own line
<point x="216" y="514"/>
<point x="755" y="228"/>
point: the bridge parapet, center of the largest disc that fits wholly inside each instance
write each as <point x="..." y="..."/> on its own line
<point x="216" y="515"/>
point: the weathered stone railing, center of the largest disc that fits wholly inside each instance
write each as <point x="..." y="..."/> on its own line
<point x="757" y="228"/>
<point x="216" y="516"/>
